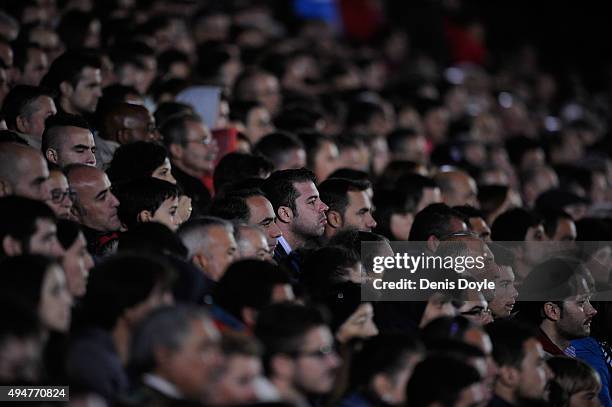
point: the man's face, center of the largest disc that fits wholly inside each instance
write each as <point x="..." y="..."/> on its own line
<point x="55" y="300"/>
<point x="44" y="240"/>
<point x="200" y="151"/>
<point x="237" y="384"/>
<point x="221" y="251"/>
<point x="43" y="108"/>
<point x="465" y="192"/>
<point x="480" y="227"/>
<point x="32" y="177"/>
<point x="261" y="213"/>
<point x="84" y="97"/>
<point x="479" y="339"/>
<point x="35" y="68"/>
<point x="577" y="314"/>
<point x="96" y="206"/>
<point x="504" y="296"/>
<point x="316" y="364"/>
<point x="253" y="245"/>
<point x="266" y="89"/>
<point x="258" y="124"/>
<point x="78" y="147"/>
<point x="141" y="125"/>
<point x="326" y="160"/>
<point x="534" y="373"/>
<point x="193" y="366"/>
<point x="358" y="213"/>
<point x="309" y="219"/>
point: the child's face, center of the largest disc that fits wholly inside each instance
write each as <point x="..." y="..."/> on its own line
<point x="166" y="214"/>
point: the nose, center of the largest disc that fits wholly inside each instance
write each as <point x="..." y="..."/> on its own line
<point x="114" y="201"/>
<point x="323" y="207"/>
<point x="371" y="222"/>
<point x="274" y="231"/>
<point x="591" y="311"/>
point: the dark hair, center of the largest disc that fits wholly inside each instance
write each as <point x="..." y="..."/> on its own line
<point x="362" y="112"/>
<point x="551" y="220"/>
<point x="334" y="192"/>
<point x="446" y="328"/>
<point x="387" y="204"/>
<point x="8" y="136"/>
<point x="19" y="102"/>
<point x="235" y="167"/>
<point x="18" y="216"/>
<point x="513" y="225"/>
<point x="281" y="328"/>
<point x="469" y="211"/>
<point x="492" y="197"/>
<point x="166" y="110"/>
<point x="570" y="376"/>
<point x="128" y="279"/>
<point x="350" y="173"/>
<point x="21" y="54"/>
<point x="397" y="138"/>
<point x="451" y="376"/>
<point x="144" y="194"/>
<point x="240" y="110"/>
<point x="279" y="187"/>
<point x="166" y="59"/>
<point x="518" y="146"/>
<point x="382" y="354"/>
<point x="68" y="68"/>
<point x="233" y="205"/>
<point x="326" y="266"/>
<point x="67" y="232"/>
<point x="73" y="28"/>
<point x="433" y="220"/>
<point x="276" y="146"/>
<point x="22" y="278"/>
<point x="297" y="118"/>
<point x="312" y="142"/>
<point x="136" y="160"/>
<point x="154" y="238"/>
<point x="174" y="129"/>
<point x="54" y="135"/>
<point x="508" y="338"/>
<point x="248" y="283"/>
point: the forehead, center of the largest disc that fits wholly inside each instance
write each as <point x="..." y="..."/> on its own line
<point x="43" y="103"/>
<point x="259" y="206"/>
<point x="306" y="189"/>
<point x="57" y="178"/>
<point x="93" y="182"/>
<point x="254" y="236"/>
<point x="195" y="127"/>
<point x="318" y="336"/>
<point x="358" y="198"/>
<point x="90" y="74"/>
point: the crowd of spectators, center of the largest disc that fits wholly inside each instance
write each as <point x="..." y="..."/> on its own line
<point x="185" y="187"/>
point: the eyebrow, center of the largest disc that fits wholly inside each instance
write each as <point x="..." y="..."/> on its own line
<point x="266" y="220"/>
<point x="82" y="146"/>
<point x="101" y="194"/>
<point x="312" y="197"/>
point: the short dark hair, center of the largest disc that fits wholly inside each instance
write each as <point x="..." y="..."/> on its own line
<point x="53" y="135"/>
<point x="19" y="102"/>
<point x="508" y="338"/>
<point x="276" y="146"/>
<point x="240" y="110"/>
<point x="18" y="216"/>
<point x="334" y="192"/>
<point x="313" y="141"/>
<point x="279" y="187"/>
<point x="22" y="278"/>
<point x="233" y="205"/>
<point x="512" y="225"/>
<point x="248" y="283"/>
<point x="67" y="232"/>
<point x="174" y="129"/>
<point x="451" y="376"/>
<point x="551" y="220"/>
<point x="433" y="220"/>
<point x="144" y="194"/>
<point x="281" y="328"/>
<point x="166" y="110"/>
<point x="68" y="68"/>
<point x="234" y="167"/>
<point x="362" y="112"/>
<point x="136" y="160"/>
<point x="73" y="27"/>
<point x="397" y="138"/>
<point x="128" y="279"/>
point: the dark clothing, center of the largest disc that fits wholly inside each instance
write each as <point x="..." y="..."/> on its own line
<point x="195" y="189"/>
<point x="146" y="396"/>
<point x="100" y="244"/>
<point x="94" y="365"/>
<point x="497" y="401"/>
<point x="191" y="286"/>
<point x="549" y="347"/>
<point x="598" y="355"/>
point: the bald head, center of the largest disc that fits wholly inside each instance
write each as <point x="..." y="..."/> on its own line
<point x="252" y="243"/>
<point x="457" y="188"/>
<point x="95" y="205"/>
<point x="126" y="123"/>
<point x="23" y="172"/>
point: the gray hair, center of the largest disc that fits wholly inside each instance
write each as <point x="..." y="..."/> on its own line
<point x="166" y="327"/>
<point x="194" y="232"/>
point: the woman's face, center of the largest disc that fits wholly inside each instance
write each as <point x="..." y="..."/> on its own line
<point x="55" y="301"/>
<point x="60" y="196"/>
<point x="585" y="398"/>
<point x="359" y="325"/>
<point x="164" y="173"/>
<point x="77" y="263"/>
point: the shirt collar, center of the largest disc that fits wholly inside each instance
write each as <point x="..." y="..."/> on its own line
<point x="162" y="385"/>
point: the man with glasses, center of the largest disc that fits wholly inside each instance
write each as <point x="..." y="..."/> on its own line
<point x="299" y="354"/>
<point x="123" y="123"/>
<point x="193" y="152"/>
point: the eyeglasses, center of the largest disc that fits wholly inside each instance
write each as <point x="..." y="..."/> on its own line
<point x="57" y="195"/>
<point x="320" y="353"/>
<point x="206" y="141"/>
